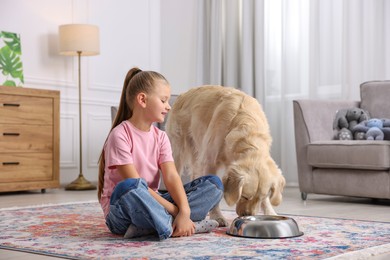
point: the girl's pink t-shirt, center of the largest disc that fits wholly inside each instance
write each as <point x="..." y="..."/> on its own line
<point x="128" y="145"/>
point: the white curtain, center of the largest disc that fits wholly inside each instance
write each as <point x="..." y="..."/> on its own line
<point x="281" y="50"/>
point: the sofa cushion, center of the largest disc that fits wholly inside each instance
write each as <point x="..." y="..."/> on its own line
<point x="375" y="96"/>
<point x="351" y="154"/>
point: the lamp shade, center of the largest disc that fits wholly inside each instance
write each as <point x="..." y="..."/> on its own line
<point x="79" y="38"/>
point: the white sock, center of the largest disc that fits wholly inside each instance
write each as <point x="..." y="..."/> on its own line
<point x="205" y="226"/>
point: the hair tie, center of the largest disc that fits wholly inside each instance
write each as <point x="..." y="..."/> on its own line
<point x="138" y="71"/>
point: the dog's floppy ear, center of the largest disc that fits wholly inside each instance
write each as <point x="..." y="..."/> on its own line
<point x="233" y="181"/>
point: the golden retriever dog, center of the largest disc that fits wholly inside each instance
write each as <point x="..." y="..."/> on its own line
<point x="214" y="126"/>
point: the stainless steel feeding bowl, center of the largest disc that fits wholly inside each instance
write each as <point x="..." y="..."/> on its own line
<point x="264" y="226"/>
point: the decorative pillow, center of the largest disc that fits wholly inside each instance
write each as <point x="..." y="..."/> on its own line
<point x="345" y="120"/>
<point x="114" y="110"/>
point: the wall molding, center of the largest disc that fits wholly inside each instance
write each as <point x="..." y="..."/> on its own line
<point x="89" y="101"/>
<point x="70" y="118"/>
<point x="47" y="81"/>
<point x="93" y="122"/>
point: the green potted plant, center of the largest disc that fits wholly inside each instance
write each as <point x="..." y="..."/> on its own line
<point x="11" y="67"/>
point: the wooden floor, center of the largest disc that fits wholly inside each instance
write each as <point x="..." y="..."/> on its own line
<point x="316" y="205"/>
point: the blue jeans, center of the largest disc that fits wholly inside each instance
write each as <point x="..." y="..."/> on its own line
<point x="131" y="203"/>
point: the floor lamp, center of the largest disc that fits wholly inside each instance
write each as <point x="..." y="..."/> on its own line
<point x="79" y="40"/>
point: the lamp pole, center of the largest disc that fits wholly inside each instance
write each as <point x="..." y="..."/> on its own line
<point x="80" y="183"/>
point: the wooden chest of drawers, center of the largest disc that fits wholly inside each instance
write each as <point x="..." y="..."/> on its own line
<point x="29" y="139"/>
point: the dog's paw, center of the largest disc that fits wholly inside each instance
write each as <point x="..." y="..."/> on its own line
<point x="216" y="214"/>
<point x="270" y="211"/>
<point x="222" y="222"/>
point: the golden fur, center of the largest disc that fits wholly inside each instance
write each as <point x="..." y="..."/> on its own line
<point x="212" y="127"/>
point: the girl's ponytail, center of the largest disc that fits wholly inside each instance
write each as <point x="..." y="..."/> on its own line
<point x="124" y="110"/>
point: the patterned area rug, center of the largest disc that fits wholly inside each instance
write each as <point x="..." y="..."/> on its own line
<point x="77" y="231"/>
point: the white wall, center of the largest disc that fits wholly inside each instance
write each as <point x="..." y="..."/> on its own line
<point x="152" y="34"/>
<point x="130" y="36"/>
<point x="178" y="43"/>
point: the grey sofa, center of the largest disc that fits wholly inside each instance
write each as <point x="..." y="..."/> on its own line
<point x="359" y="168"/>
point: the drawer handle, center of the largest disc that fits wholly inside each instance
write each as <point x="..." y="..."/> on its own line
<point x="11" y="105"/>
<point x="11" y="134"/>
<point x="10" y="163"/>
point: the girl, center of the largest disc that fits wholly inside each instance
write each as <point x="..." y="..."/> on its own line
<point x="134" y="153"/>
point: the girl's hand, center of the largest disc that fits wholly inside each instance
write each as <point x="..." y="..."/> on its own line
<point x="183" y="226"/>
